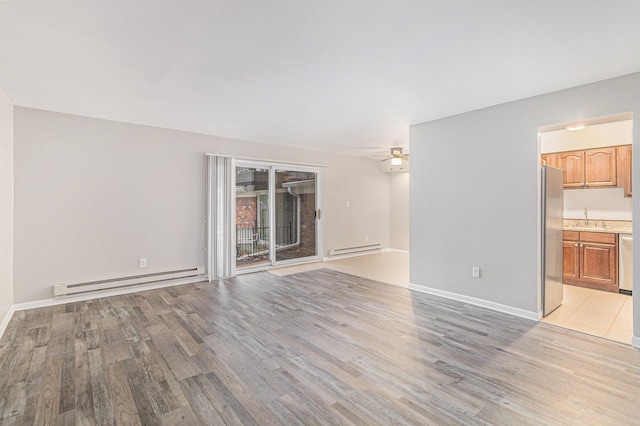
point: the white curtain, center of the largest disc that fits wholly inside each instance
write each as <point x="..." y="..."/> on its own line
<point x="220" y="231"/>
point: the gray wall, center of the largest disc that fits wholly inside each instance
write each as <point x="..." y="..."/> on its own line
<point x="93" y="196"/>
<point x="6" y="204"/>
<point x="474" y="192"/>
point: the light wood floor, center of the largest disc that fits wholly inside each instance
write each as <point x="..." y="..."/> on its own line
<point x="599" y="313"/>
<point x="319" y="347"/>
<point x="387" y="267"/>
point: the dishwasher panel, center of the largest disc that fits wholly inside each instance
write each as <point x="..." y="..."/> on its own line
<point x="625" y="263"/>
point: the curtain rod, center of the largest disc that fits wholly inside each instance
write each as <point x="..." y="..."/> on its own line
<point x="266" y="160"/>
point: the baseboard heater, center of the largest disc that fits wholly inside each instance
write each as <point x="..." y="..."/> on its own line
<point x="355" y="249"/>
<point x="113" y="283"/>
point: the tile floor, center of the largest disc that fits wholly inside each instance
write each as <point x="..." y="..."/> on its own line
<point x="599" y="313"/>
<point x="594" y="312"/>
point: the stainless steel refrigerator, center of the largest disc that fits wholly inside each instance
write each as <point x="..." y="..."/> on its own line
<point x="552" y="210"/>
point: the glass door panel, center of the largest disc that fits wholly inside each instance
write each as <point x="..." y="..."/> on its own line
<point x="252" y="216"/>
<point x="294" y="215"/>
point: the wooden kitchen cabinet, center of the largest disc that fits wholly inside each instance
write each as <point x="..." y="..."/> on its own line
<point x="600" y="167"/>
<point x="571" y="256"/>
<point x="572" y="162"/>
<point x="593" y="168"/>
<point x="599" y="265"/>
<point x="550" y="160"/>
<point x="625" y="168"/>
<point x="590" y="259"/>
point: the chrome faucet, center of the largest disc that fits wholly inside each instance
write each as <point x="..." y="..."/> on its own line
<point x="586" y="218"/>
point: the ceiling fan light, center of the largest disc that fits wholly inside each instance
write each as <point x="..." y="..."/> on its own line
<point x="396" y="161"/>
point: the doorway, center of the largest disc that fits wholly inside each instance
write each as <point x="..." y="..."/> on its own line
<point x="276" y="213"/>
<point x="595" y="156"/>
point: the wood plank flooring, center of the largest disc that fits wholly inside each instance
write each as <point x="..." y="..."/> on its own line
<point x="320" y="347"/>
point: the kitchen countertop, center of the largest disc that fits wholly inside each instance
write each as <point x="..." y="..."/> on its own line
<point x="611" y="226"/>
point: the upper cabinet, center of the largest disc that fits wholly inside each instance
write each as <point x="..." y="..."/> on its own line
<point x="600" y="167"/>
<point x="625" y="169"/>
<point x="550" y="160"/>
<point x="593" y="168"/>
<point x="572" y="163"/>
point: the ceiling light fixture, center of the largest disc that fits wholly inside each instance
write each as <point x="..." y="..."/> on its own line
<point x="396" y="156"/>
<point x="398" y="161"/>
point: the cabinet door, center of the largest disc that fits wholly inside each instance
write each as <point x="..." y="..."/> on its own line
<point x="630" y="172"/>
<point x="550" y="160"/>
<point x="572" y="162"/>
<point x="598" y="265"/>
<point x="570" y="259"/>
<point x="600" y="167"/>
<point x="625" y="169"/>
<point x="629" y="186"/>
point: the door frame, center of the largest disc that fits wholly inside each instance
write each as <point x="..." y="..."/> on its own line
<point x="272" y="166"/>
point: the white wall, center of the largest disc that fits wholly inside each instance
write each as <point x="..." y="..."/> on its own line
<point x="475" y="192"/>
<point x="6" y="204"/>
<point x="93" y="196"/>
<point x="399" y="211"/>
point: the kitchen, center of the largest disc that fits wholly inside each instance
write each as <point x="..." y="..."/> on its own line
<point x="595" y="156"/>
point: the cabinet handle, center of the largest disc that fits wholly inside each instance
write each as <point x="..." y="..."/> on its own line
<point x="576" y="245"/>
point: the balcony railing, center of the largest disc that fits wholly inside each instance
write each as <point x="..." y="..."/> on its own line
<point x="254" y="241"/>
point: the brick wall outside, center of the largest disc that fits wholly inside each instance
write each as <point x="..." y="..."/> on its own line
<point x="246" y="212"/>
<point x="308" y="221"/>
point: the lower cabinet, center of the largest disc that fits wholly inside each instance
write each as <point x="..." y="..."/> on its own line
<point x="571" y="260"/>
<point x="590" y="259"/>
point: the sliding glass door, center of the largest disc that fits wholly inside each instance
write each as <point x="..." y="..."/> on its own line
<point x="276" y="214"/>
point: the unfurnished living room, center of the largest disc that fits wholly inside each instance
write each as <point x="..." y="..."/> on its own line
<point x="338" y="212"/>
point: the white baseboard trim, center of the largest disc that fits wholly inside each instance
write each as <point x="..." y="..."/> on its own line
<point x="367" y="253"/>
<point x="530" y="315"/>
<point x="6" y="319"/>
<point x="392" y="250"/>
<point x="105" y="293"/>
<point x="291" y="265"/>
<point x="635" y="342"/>
<point x="347" y="256"/>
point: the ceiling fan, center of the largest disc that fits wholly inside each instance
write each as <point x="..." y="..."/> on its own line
<point x="397" y="161"/>
<point x="397" y="156"/>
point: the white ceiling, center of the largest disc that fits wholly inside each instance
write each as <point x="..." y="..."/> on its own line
<point x="331" y="74"/>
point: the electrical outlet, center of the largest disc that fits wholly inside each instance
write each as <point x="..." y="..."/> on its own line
<point x="475" y="272"/>
<point x="142" y="263"/>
